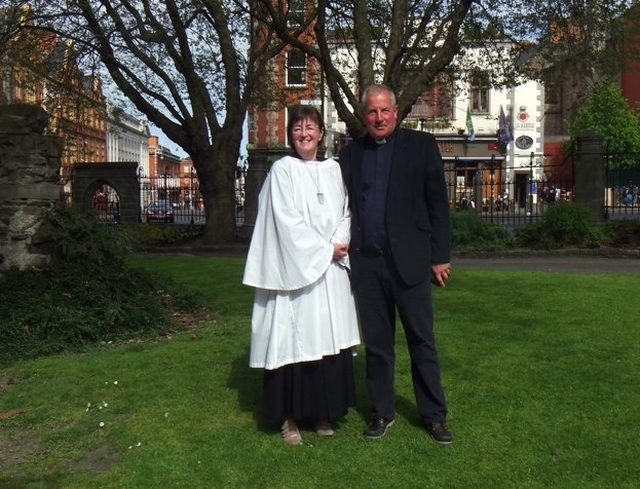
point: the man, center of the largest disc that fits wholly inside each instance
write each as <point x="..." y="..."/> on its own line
<point x="400" y="243"/>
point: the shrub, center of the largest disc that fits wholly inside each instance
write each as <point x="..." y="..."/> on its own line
<point x="622" y="234"/>
<point x="563" y="224"/>
<point x="75" y="236"/>
<point x="147" y="234"/>
<point x="470" y="232"/>
<point x="86" y="295"/>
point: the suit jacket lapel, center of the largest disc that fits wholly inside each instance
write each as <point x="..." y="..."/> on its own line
<point x="399" y="155"/>
<point x="356" y="171"/>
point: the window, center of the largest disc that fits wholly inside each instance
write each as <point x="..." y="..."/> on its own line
<point x="479" y="92"/>
<point x="552" y="93"/>
<point x="295" y="15"/>
<point x="296" y="68"/>
<point x="251" y="128"/>
<point x="437" y="103"/>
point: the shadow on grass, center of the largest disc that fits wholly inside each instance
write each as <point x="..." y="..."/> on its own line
<point x="408" y="409"/>
<point x="405" y="406"/>
<point x="247" y="382"/>
<point x="20" y="482"/>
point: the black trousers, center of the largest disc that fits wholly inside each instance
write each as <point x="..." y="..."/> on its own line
<point x="379" y="293"/>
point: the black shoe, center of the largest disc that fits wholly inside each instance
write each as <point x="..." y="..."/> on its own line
<point x="377" y="428"/>
<point x="439" y="431"/>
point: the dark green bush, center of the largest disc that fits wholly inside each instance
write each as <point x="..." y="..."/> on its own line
<point x="152" y="234"/>
<point x="470" y="232"/>
<point x="622" y="234"/>
<point x="86" y="295"/>
<point x="563" y="224"/>
<point x="74" y="236"/>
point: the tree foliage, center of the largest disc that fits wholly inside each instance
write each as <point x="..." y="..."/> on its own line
<point x="185" y="65"/>
<point x="606" y="113"/>
<point x="192" y="66"/>
<point x="407" y="44"/>
<point x="40" y="69"/>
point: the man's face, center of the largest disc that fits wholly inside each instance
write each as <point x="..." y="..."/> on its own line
<point x="380" y="116"/>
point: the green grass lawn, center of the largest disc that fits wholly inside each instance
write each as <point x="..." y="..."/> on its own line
<point x="540" y="369"/>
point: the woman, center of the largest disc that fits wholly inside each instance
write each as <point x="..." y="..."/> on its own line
<point x="304" y="319"/>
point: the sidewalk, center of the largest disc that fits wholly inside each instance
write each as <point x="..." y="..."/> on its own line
<point x="600" y="260"/>
<point x="595" y="261"/>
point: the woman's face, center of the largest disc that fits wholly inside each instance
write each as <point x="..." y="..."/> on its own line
<point x="306" y="136"/>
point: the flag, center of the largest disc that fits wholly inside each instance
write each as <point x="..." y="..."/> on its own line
<point x="470" y="131"/>
<point x="505" y="134"/>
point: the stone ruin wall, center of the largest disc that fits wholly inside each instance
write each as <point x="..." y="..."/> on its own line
<point x="29" y="173"/>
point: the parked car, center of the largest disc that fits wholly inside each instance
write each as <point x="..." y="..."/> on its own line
<point x="160" y="211"/>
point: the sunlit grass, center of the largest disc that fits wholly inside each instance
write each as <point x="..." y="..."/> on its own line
<point x="540" y="371"/>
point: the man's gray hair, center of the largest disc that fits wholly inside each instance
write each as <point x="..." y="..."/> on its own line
<point x="374" y="89"/>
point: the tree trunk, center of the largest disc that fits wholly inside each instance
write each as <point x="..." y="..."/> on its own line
<point x="216" y="172"/>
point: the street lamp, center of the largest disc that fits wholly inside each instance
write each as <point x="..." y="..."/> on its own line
<point x="141" y="193"/>
<point x="533" y="184"/>
<point x="492" y="170"/>
<point x="192" y="173"/>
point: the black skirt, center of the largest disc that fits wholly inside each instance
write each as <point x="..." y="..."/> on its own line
<point x="322" y="389"/>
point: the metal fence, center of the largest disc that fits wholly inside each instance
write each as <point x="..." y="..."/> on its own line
<point x="163" y="199"/>
<point x="622" y="194"/>
<point x="484" y="189"/>
<point x="511" y="202"/>
<point x="180" y="198"/>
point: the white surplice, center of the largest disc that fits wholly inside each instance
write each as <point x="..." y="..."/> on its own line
<point x="303" y="308"/>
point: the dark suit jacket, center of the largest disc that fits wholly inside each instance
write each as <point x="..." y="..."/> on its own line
<point x="417" y="209"/>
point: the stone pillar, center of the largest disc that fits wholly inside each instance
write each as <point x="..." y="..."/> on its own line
<point x="589" y="175"/>
<point x="29" y="174"/>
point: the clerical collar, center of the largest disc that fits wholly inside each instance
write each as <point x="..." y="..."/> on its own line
<point x="383" y="141"/>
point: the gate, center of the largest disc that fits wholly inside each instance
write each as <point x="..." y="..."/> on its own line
<point x="483" y="187"/>
<point x="119" y="192"/>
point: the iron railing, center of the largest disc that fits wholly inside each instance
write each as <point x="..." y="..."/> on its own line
<point x="485" y="190"/>
<point x="622" y="187"/>
<point x="507" y="195"/>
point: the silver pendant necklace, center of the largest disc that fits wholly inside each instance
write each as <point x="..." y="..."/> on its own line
<point x="319" y="194"/>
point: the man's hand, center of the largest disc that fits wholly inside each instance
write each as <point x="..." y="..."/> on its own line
<point x="441" y="273"/>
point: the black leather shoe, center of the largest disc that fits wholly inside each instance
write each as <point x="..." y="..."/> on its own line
<point x="439" y="431"/>
<point x="377" y="428"/>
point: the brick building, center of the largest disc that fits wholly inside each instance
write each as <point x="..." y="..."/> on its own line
<point x="441" y="111"/>
<point x="36" y="68"/>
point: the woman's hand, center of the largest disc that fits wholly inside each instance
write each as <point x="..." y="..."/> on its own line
<point x="340" y="250"/>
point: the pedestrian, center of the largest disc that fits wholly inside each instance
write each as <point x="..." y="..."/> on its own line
<point x="304" y="321"/>
<point x="400" y="243"/>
